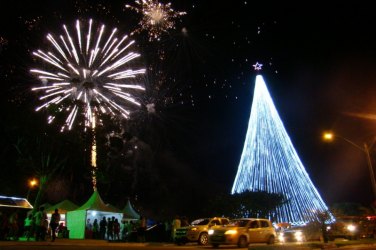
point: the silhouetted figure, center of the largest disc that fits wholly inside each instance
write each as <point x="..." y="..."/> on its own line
<point x="40" y="224"/>
<point x="176" y="223"/>
<point x="13" y="226"/>
<point x="110" y="229"/>
<point x="116" y="227"/>
<point x="141" y="229"/>
<point x="102" y="228"/>
<point x="95" y="229"/>
<point x="54" y="223"/>
<point x="28" y="226"/>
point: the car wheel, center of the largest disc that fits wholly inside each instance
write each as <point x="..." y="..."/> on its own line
<point x="215" y="245"/>
<point x="242" y="242"/>
<point x="203" y="239"/>
<point x="271" y="240"/>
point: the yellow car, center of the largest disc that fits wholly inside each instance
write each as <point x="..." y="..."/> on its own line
<point x="242" y="232"/>
<point x="197" y="231"/>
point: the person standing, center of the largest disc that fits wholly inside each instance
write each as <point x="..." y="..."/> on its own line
<point x="128" y="228"/>
<point x="142" y="229"/>
<point x="116" y="227"/>
<point x="40" y="218"/>
<point x="110" y="228"/>
<point x="95" y="229"/>
<point x="88" y="229"/>
<point x="28" y="226"/>
<point x="167" y="236"/>
<point x="176" y="223"/>
<point x="13" y="226"/>
<point x="102" y="228"/>
<point x="54" y="223"/>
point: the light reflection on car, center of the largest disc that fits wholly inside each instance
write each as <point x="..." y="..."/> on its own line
<point x="242" y="232"/>
<point x="291" y="235"/>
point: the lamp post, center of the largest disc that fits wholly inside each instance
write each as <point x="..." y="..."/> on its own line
<point x="32" y="183"/>
<point x="329" y="136"/>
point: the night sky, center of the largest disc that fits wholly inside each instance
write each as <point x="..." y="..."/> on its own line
<point x="319" y="65"/>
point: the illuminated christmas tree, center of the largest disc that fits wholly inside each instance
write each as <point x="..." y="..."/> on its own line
<point x="270" y="163"/>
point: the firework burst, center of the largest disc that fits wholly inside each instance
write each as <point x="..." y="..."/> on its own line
<point x="157" y="18"/>
<point x="88" y="73"/>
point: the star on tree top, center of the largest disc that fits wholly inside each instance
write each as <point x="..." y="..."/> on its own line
<point x="257" y="66"/>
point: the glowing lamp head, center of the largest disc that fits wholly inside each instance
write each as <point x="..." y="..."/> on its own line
<point x="33" y="183"/>
<point x="328" y="136"/>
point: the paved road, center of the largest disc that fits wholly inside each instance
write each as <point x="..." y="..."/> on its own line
<point x="66" y="244"/>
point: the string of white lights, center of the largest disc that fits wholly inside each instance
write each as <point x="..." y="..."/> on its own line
<point x="269" y="162"/>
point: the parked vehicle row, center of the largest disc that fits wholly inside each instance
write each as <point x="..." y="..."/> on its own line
<point x="222" y="231"/>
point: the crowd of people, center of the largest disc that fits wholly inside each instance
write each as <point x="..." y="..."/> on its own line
<point x="128" y="230"/>
<point x="133" y="230"/>
<point x="37" y="226"/>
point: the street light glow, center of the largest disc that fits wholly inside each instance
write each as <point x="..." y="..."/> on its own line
<point x="33" y="183"/>
<point x="328" y="136"/>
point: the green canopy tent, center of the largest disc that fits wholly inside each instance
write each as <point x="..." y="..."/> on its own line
<point x="129" y="212"/>
<point x="64" y="207"/>
<point x="93" y="209"/>
<point x="35" y="209"/>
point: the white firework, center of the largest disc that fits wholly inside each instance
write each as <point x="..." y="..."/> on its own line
<point x="157" y="18"/>
<point x="88" y="70"/>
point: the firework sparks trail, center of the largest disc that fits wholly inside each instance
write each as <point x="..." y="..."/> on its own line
<point x="88" y="72"/>
<point x="157" y="18"/>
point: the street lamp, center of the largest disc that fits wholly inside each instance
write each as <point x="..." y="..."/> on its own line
<point x="32" y="183"/>
<point x="330" y="136"/>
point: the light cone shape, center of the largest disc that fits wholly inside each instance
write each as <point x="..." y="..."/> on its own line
<point x="270" y="163"/>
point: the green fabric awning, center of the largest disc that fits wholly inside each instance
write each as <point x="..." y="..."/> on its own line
<point x="129" y="211"/>
<point x="64" y="207"/>
<point x="95" y="202"/>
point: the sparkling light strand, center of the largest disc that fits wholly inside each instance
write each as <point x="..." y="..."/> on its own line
<point x="270" y="163"/>
<point x="157" y="18"/>
<point x="92" y="64"/>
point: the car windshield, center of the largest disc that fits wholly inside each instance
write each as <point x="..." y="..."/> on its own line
<point x="238" y="223"/>
<point x="200" y="222"/>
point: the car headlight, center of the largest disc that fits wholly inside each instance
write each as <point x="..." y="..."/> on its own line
<point x="281" y="237"/>
<point x="231" y="232"/>
<point x="211" y="231"/>
<point x="351" y="228"/>
<point x="299" y="236"/>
